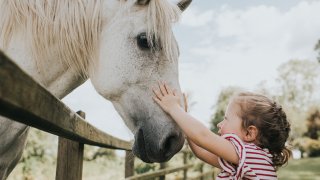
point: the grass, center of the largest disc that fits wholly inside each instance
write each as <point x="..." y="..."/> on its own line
<point x="302" y="169"/>
<point x="92" y="170"/>
<point x="100" y="169"/>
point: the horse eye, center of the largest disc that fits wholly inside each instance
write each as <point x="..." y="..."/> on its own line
<point x="142" y="41"/>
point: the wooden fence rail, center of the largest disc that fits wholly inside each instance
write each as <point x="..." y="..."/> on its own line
<point x="22" y="99"/>
<point x="160" y="172"/>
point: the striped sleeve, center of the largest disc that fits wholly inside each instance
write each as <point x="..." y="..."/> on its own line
<point x="229" y="169"/>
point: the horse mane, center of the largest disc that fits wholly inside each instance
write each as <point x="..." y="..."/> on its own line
<point x="75" y="28"/>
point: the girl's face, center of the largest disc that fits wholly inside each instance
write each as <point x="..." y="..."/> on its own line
<point x="232" y="123"/>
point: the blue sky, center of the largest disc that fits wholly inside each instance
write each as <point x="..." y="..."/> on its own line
<point x="224" y="43"/>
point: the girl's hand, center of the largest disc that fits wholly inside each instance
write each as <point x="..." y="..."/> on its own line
<point x="185" y="100"/>
<point x="167" y="98"/>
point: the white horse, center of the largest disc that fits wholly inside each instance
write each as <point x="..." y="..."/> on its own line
<point x="124" y="47"/>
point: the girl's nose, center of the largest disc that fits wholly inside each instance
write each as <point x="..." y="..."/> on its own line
<point x="219" y="124"/>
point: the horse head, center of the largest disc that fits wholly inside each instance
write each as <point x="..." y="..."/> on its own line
<point x="137" y="50"/>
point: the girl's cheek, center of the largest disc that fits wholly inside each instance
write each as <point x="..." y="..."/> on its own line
<point x="222" y="130"/>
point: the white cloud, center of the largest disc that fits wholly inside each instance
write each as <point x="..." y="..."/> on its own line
<point x="193" y="17"/>
<point x="245" y="46"/>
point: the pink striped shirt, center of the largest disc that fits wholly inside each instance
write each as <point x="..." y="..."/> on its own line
<point x="254" y="162"/>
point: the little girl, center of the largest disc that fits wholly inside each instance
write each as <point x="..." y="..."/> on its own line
<point x="253" y="135"/>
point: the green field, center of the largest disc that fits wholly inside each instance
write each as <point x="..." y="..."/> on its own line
<point x="303" y="169"/>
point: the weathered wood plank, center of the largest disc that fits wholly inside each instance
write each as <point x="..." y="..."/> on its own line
<point x="22" y="99"/>
<point x="70" y="158"/>
<point x="160" y="172"/>
<point x="163" y="165"/>
<point x="202" y="175"/>
<point x="129" y="164"/>
<point x="185" y="154"/>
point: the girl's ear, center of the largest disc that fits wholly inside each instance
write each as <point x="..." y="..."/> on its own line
<point x="251" y="134"/>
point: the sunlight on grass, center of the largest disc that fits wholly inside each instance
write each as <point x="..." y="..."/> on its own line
<point x="303" y="169"/>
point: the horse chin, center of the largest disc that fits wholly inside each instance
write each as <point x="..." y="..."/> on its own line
<point x="143" y="155"/>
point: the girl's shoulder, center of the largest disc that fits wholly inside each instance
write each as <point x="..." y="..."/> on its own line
<point x="254" y="161"/>
<point x="257" y="154"/>
<point x="252" y="148"/>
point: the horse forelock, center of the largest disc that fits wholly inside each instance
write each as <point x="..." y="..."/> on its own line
<point x="74" y="28"/>
<point x="161" y="15"/>
<point x="160" y="18"/>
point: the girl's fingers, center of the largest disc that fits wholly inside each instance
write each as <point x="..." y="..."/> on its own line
<point x="185" y="102"/>
<point x="157" y="93"/>
<point x="156" y="100"/>
<point x="162" y="88"/>
<point x="174" y="92"/>
<point x="169" y="90"/>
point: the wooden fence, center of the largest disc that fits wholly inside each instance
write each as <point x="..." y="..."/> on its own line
<point x="22" y="99"/>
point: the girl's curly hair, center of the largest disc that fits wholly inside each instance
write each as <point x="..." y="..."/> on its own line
<point x="270" y="120"/>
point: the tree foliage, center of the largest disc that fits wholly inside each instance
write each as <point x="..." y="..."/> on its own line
<point x="40" y="151"/>
<point x="298" y="81"/>
<point x="92" y="153"/>
<point x="313" y="124"/>
<point x="317" y="48"/>
<point x="297" y="90"/>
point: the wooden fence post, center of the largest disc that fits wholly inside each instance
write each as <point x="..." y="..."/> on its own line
<point x="185" y="153"/>
<point x="70" y="158"/>
<point x="213" y="174"/>
<point x="129" y="164"/>
<point x="163" y="166"/>
<point x="201" y="171"/>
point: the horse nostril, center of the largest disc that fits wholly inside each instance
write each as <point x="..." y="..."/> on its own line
<point x="157" y="149"/>
<point x="169" y="145"/>
<point x="142" y="146"/>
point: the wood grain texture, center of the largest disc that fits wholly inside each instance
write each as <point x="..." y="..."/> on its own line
<point x="129" y="164"/>
<point x="22" y="99"/>
<point x="160" y="172"/>
<point x="70" y="158"/>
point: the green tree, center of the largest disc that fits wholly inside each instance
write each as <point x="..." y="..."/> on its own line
<point x="40" y="151"/>
<point x="313" y="123"/>
<point x="317" y="48"/>
<point x="299" y="82"/>
<point x="221" y="105"/>
<point x="297" y="90"/>
<point x="92" y="153"/>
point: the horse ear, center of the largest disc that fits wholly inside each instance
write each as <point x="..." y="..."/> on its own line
<point x="143" y="2"/>
<point x="183" y="4"/>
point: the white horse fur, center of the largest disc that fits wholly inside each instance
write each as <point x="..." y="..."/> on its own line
<point x="62" y="43"/>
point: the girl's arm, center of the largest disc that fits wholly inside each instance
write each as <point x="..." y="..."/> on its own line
<point x="193" y="129"/>
<point x="203" y="137"/>
<point x="204" y="155"/>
